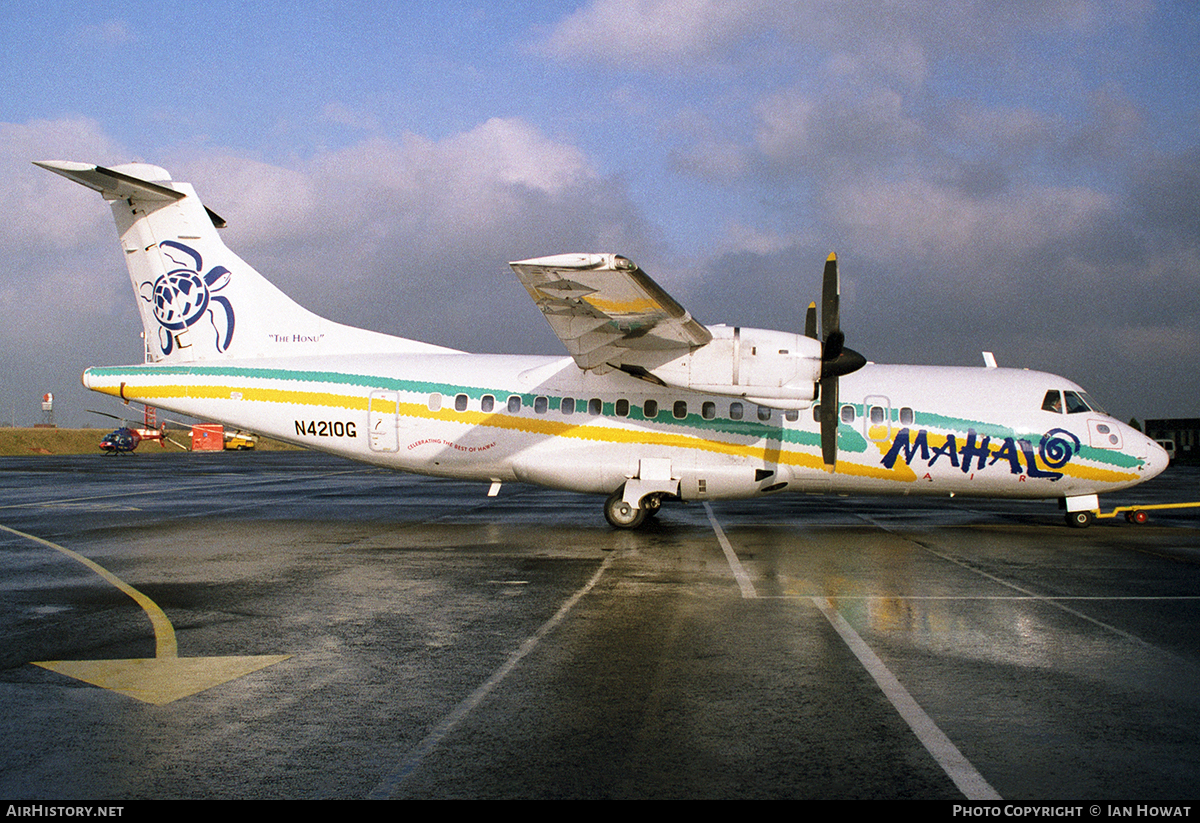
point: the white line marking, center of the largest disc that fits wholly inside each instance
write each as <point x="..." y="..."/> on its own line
<point x="1047" y="599"/>
<point x="997" y="597"/>
<point x="390" y="784"/>
<point x="739" y="574"/>
<point x="969" y="781"/>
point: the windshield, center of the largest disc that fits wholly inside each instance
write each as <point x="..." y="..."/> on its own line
<point x="1075" y="402"/>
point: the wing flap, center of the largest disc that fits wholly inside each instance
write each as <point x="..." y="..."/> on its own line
<point x="605" y="309"/>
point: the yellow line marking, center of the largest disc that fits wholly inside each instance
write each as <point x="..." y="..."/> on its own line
<point x="164" y="632"/>
<point x="165" y="677"/>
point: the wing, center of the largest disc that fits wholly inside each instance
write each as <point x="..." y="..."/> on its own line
<point x="607" y="311"/>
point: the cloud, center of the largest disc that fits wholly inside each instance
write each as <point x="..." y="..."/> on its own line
<point x="36" y="217"/>
<point x="918" y="219"/>
<point x="342" y="115"/>
<point x="654" y="33"/>
<point x="409" y="236"/>
<point x="412" y="235"/>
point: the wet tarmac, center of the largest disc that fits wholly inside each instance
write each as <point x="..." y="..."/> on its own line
<point x="393" y="636"/>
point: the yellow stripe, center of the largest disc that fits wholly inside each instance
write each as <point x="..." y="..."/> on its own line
<point x="641" y="306"/>
<point x="552" y="428"/>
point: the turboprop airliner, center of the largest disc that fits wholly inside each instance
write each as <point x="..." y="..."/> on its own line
<point x="649" y="406"/>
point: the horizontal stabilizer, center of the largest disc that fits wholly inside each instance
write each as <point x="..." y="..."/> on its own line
<point x="115" y="185"/>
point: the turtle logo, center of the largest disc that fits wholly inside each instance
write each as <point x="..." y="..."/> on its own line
<point x="182" y="296"/>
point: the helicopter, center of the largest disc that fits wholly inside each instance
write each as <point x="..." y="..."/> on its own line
<point x="121" y="441"/>
<point x="125" y="439"/>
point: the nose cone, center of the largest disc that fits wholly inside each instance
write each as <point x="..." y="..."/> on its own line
<point x="1156" y="459"/>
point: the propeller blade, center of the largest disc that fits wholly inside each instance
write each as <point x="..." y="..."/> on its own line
<point x="829" y="421"/>
<point x="106" y="414"/>
<point x="810" y="322"/>
<point x="834" y="344"/>
<point x="836" y="360"/>
<point x="830" y="295"/>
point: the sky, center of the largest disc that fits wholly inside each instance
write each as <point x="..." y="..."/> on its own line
<point x="1017" y="177"/>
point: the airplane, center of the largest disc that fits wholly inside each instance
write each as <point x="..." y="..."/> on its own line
<point x="649" y="405"/>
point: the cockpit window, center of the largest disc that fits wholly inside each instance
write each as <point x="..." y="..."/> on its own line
<point x="1053" y="402"/>
<point x="1075" y="403"/>
<point x="1092" y="404"/>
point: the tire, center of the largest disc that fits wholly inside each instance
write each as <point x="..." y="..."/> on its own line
<point x="1138" y="517"/>
<point x="1080" y="520"/>
<point x="620" y="514"/>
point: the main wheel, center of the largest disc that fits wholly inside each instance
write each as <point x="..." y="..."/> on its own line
<point x="651" y="504"/>
<point x="1080" y="520"/>
<point x="620" y="514"/>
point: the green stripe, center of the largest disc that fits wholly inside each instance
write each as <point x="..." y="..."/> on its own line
<point x="850" y="439"/>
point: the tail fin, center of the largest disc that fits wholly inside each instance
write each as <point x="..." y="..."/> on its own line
<point x="197" y="299"/>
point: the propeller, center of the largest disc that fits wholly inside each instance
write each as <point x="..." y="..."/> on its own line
<point x="836" y="359"/>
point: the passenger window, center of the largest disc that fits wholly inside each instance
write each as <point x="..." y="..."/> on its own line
<point x="847" y="414"/>
<point x="906" y="416"/>
<point x="708" y="410"/>
<point x="817" y="413"/>
<point x="764" y="414"/>
<point x="622" y="408"/>
<point x="1053" y="402"/>
<point x="735" y="411"/>
<point x="540" y="404"/>
<point x="877" y="415"/>
<point x="568" y="405"/>
<point x="1075" y="403"/>
<point x="791" y="415"/>
<point x="514" y="403"/>
<point x="650" y="409"/>
<point x="487" y="403"/>
<point x="435" y="402"/>
<point x="679" y="409"/>
<point x="460" y="402"/>
<point x="595" y="406"/>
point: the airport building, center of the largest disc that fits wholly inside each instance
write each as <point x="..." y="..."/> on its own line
<point x="1184" y="432"/>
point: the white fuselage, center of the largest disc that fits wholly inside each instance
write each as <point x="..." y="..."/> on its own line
<point x="904" y="429"/>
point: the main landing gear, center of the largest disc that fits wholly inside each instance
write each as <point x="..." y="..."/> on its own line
<point x="621" y="515"/>
<point x="1080" y="519"/>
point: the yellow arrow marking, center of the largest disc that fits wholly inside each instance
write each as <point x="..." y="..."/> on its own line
<point x="166" y="676"/>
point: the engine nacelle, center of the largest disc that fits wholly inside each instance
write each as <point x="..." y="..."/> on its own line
<point x="771" y="368"/>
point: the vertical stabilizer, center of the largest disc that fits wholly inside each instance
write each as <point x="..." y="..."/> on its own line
<point x="197" y="299"/>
